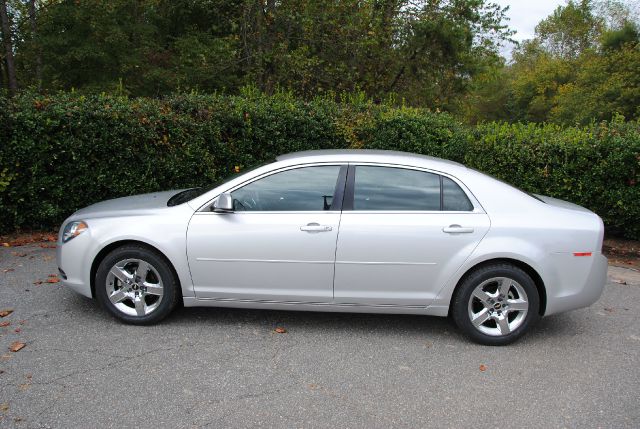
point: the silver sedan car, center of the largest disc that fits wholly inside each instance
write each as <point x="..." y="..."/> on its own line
<point x="350" y="231"/>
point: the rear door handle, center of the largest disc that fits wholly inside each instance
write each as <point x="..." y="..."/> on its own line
<point x="315" y="227"/>
<point x="456" y="229"/>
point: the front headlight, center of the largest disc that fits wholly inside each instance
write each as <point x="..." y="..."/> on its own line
<point x="73" y="229"/>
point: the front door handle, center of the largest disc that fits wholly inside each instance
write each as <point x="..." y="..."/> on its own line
<point x="456" y="229"/>
<point x="315" y="227"/>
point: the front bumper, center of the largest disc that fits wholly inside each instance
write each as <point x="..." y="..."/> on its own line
<point x="74" y="260"/>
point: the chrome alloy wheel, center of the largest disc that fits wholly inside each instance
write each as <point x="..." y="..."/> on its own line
<point x="498" y="306"/>
<point x="134" y="287"/>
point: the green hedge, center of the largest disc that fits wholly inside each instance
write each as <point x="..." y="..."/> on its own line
<point x="59" y="153"/>
<point x="597" y="166"/>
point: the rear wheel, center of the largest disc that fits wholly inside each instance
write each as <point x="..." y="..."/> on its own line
<point x="496" y="304"/>
<point x="136" y="285"/>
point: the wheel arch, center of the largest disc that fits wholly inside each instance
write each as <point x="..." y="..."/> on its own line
<point x="112" y="246"/>
<point x="537" y="279"/>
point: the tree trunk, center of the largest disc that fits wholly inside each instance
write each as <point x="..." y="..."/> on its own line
<point x="8" y="47"/>
<point x="34" y="40"/>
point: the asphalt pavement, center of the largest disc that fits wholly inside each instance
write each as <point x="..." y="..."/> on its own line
<point x="80" y="368"/>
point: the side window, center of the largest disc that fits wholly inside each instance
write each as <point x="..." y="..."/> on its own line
<point x="453" y="197"/>
<point x="389" y="188"/>
<point x="300" y="189"/>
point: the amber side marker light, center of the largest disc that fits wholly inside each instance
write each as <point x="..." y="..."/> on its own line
<point x="581" y="253"/>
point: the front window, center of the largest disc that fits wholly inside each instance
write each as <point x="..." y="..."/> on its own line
<point x="300" y="189"/>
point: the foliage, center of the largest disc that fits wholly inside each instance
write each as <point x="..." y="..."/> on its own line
<point x="597" y="166"/>
<point x="423" y="51"/>
<point x="582" y="66"/>
<point x="570" y="30"/>
<point x="60" y="153"/>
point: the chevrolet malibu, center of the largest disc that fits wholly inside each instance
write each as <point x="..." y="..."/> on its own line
<point x="349" y="231"/>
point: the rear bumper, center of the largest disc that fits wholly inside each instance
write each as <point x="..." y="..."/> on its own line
<point x="581" y="283"/>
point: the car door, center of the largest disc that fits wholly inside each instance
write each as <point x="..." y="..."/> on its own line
<point x="279" y="242"/>
<point x="403" y="232"/>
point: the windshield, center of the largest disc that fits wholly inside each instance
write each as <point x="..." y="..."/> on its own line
<point x="191" y="193"/>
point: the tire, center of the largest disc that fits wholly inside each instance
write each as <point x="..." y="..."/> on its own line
<point x="496" y="304"/>
<point x="134" y="297"/>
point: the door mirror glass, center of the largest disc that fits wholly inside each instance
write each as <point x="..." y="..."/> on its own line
<point x="224" y="204"/>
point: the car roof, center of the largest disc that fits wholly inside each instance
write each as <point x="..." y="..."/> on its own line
<point x="369" y="155"/>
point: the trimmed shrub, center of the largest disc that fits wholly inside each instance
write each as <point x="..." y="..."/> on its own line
<point x="597" y="166"/>
<point x="62" y="152"/>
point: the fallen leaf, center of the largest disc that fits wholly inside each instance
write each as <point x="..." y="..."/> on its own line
<point x="621" y="282"/>
<point x="22" y="322"/>
<point x="29" y="376"/>
<point x="48" y="246"/>
<point x="17" y="330"/>
<point x="313" y="386"/>
<point x="5" y="313"/>
<point x="16" y="346"/>
<point x="280" y="330"/>
<point x="609" y="309"/>
<point x="37" y="282"/>
<point x="47" y="258"/>
<point x="6" y="245"/>
<point x="4" y="407"/>
<point x="24" y="386"/>
<point x="21" y="255"/>
<point x="5" y="356"/>
<point x="5" y="323"/>
<point x="53" y="279"/>
<point x="8" y="270"/>
<point x="483" y="367"/>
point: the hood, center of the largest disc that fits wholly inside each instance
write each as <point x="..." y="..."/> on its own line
<point x="127" y="205"/>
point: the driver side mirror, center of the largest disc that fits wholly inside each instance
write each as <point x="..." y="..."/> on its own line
<point x="224" y="204"/>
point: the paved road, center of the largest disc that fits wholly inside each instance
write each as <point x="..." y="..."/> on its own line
<point x="220" y="368"/>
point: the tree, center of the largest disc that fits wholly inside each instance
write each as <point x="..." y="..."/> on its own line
<point x="570" y="30"/>
<point x="581" y="66"/>
<point x="34" y="34"/>
<point x="424" y="52"/>
<point x="8" y="48"/>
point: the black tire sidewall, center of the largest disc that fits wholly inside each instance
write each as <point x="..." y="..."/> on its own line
<point x="167" y="276"/>
<point x="465" y="289"/>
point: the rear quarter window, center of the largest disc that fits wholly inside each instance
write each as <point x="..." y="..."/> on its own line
<point x="454" y="198"/>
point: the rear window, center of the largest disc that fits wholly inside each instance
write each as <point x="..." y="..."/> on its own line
<point x="394" y="188"/>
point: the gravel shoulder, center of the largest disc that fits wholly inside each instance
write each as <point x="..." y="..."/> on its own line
<point x="228" y="367"/>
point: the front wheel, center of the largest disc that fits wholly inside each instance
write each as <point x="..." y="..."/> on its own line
<point x="136" y="285"/>
<point x="496" y="304"/>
